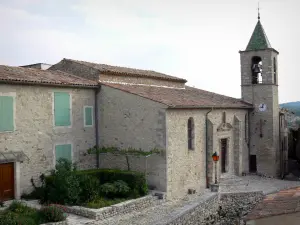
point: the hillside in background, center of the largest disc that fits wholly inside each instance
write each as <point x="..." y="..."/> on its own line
<point x="292" y="106"/>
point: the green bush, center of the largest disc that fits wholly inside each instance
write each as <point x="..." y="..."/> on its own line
<point x="103" y="202"/>
<point x="89" y="188"/>
<point x="62" y="186"/>
<point x="52" y="214"/>
<point x="8" y="219"/>
<point x="19" y="207"/>
<point x="135" y="180"/>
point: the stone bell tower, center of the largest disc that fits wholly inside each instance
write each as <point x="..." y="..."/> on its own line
<point x="259" y="83"/>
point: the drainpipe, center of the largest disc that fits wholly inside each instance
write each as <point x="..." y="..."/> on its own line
<point x="97" y="125"/>
<point x="206" y="147"/>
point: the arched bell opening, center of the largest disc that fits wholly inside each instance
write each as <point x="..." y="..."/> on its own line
<point x="256" y="68"/>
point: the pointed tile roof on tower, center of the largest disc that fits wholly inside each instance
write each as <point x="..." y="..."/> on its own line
<point x="259" y="39"/>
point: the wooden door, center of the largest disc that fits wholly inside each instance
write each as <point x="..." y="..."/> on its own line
<point x="223" y="155"/>
<point x="6" y="181"/>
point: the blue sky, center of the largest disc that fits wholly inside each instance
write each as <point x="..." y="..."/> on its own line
<point x="194" y="39"/>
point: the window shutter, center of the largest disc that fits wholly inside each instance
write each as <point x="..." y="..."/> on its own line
<point x="63" y="151"/>
<point x="62" y="110"/>
<point x="88" y="116"/>
<point x="6" y="113"/>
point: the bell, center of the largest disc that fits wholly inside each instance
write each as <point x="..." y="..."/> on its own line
<point x="256" y="68"/>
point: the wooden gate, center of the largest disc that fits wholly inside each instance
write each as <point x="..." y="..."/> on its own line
<point x="6" y="181"/>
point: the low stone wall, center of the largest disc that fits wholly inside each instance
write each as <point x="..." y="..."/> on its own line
<point x="118" y="209"/>
<point x="234" y="206"/>
<point x="218" y="209"/>
<point x="56" y="223"/>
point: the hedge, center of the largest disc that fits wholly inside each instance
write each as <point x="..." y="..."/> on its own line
<point x="135" y="180"/>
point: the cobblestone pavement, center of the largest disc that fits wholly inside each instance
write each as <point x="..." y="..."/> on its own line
<point x="255" y="183"/>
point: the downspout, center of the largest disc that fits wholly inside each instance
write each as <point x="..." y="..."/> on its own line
<point x="206" y="147"/>
<point x="97" y="91"/>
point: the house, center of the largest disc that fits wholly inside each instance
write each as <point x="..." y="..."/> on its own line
<point x="144" y="109"/>
<point x="44" y="115"/>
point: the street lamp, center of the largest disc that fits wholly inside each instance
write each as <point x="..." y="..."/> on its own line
<point x="215" y="158"/>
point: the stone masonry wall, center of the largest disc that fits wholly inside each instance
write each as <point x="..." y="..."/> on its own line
<point x="36" y="135"/>
<point x="186" y="168"/>
<point x="153" y="166"/>
<point x="128" y="120"/>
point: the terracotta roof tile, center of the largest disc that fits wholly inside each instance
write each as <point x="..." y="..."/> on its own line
<point x="9" y="74"/>
<point x="182" y="98"/>
<point x="283" y="202"/>
<point x="118" y="70"/>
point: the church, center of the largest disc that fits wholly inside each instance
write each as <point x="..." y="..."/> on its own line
<point x="67" y="108"/>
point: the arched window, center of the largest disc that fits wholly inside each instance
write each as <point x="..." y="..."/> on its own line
<point x="246" y="127"/>
<point x="256" y="68"/>
<point x="191" y="131"/>
<point x="275" y="70"/>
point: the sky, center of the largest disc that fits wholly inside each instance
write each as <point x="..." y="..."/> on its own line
<point x="194" y="39"/>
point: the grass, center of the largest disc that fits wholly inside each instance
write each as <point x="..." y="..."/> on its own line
<point x="104" y="202"/>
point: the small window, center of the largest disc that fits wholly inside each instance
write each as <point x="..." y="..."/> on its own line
<point x="88" y="116"/>
<point x="63" y="152"/>
<point x="6" y="113"/>
<point x="256" y="68"/>
<point x="246" y="127"/>
<point x="275" y="70"/>
<point x="62" y="109"/>
<point x="190" y="133"/>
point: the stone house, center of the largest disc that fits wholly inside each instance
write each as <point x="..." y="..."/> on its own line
<point x="42" y="117"/>
<point x="144" y="109"/>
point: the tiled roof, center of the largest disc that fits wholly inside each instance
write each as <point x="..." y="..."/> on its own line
<point x="117" y="70"/>
<point x="19" y="75"/>
<point x="259" y="39"/>
<point x="182" y="98"/>
<point x="282" y="202"/>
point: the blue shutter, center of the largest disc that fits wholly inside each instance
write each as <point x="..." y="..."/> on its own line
<point x="88" y="116"/>
<point x="63" y="151"/>
<point x="6" y="113"/>
<point x="62" y="110"/>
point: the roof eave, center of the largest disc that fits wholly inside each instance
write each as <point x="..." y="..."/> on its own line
<point x="210" y="107"/>
<point x="16" y="82"/>
<point x="256" y="50"/>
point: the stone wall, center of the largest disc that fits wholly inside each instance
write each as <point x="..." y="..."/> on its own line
<point x="218" y="209"/>
<point x="186" y="168"/>
<point x="115" y="210"/>
<point x="130" y="121"/>
<point x="36" y="135"/>
<point x="154" y="166"/>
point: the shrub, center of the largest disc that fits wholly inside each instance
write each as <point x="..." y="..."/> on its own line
<point x="52" y="214"/>
<point x="102" y="202"/>
<point x="62" y="186"/>
<point x="89" y="188"/>
<point x="19" y="207"/>
<point x="135" y="180"/>
<point x="108" y="189"/>
<point x="122" y="188"/>
<point x="7" y="219"/>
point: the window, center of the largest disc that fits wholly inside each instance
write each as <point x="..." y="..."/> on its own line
<point x="62" y="109"/>
<point x="63" y="152"/>
<point x="275" y="70"/>
<point x="246" y="127"/>
<point x="6" y="113"/>
<point x="190" y="133"/>
<point x="88" y="116"/>
<point x="256" y="68"/>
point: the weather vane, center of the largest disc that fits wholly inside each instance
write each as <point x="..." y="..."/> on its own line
<point x="258" y="11"/>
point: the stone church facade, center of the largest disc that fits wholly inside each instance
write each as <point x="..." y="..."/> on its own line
<point x="144" y="109"/>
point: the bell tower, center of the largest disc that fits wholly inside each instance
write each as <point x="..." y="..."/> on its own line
<point x="259" y="84"/>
